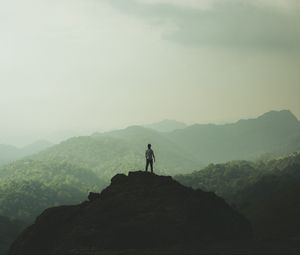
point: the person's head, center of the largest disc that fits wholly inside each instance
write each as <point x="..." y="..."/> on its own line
<point x="149" y="146"/>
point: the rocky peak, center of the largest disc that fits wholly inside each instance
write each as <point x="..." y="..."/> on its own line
<point x="138" y="212"/>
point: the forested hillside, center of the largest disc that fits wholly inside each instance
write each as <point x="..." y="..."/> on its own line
<point x="28" y="187"/>
<point x="267" y="193"/>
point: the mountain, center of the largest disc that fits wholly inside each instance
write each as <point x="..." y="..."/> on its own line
<point x="64" y="173"/>
<point x="27" y="187"/>
<point x="140" y="213"/>
<point x="267" y="193"/>
<point x="272" y="132"/>
<point x="226" y="179"/>
<point x="278" y="192"/>
<point x="166" y="125"/>
<point x="9" y="153"/>
<point x="107" y="153"/>
<point x="180" y="151"/>
<point x="36" y="147"/>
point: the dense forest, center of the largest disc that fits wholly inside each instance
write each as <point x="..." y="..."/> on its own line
<point x="28" y="187"/>
<point x="266" y="192"/>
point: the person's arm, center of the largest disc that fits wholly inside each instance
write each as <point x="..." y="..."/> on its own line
<point x="153" y="156"/>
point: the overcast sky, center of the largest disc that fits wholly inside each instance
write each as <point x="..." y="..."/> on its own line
<point x="88" y="65"/>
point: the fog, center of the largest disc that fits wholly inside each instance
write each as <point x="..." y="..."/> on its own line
<point x="73" y="67"/>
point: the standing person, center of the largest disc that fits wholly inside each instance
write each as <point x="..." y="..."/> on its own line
<point x="150" y="158"/>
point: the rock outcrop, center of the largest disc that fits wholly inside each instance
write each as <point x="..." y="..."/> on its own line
<point x="141" y="212"/>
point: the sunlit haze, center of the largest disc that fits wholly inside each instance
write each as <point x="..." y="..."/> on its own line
<point x="82" y="66"/>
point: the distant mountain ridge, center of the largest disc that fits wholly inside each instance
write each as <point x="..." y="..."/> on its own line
<point x="182" y="150"/>
<point x="9" y="153"/>
<point x="166" y="125"/>
<point x="121" y="150"/>
<point x="245" y="139"/>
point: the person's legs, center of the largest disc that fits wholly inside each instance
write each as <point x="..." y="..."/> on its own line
<point x="147" y="165"/>
<point x="151" y="165"/>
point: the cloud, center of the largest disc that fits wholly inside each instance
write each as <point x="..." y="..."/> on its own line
<point x="202" y="4"/>
<point x="257" y="24"/>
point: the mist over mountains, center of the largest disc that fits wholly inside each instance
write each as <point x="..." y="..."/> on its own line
<point x="181" y="150"/>
<point x="166" y="125"/>
<point x="9" y="153"/>
<point x="212" y="85"/>
<point x="66" y="172"/>
<point x="272" y="132"/>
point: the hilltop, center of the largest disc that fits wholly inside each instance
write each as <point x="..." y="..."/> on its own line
<point x="141" y="212"/>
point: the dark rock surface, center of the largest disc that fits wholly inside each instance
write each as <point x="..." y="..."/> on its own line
<point x="141" y="212"/>
<point x="93" y="196"/>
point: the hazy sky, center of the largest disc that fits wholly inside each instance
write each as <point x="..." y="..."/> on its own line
<point x="88" y="65"/>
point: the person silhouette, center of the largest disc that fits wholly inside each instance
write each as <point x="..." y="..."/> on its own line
<point x="150" y="158"/>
